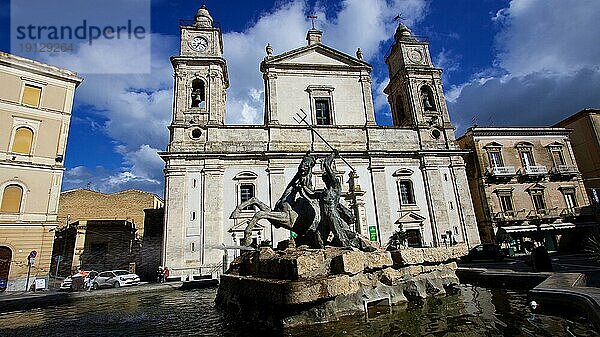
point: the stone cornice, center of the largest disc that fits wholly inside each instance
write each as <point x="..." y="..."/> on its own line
<point x="299" y="154"/>
<point x="517" y="131"/>
<point x="352" y="62"/>
<point x="13" y="61"/>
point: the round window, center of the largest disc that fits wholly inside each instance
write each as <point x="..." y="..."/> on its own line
<point x="436" y="134"/>
<point x="196" y="133"/>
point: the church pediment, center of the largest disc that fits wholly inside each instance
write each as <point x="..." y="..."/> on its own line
<point x="410" y="218"/>
<point x="316" y="55"/>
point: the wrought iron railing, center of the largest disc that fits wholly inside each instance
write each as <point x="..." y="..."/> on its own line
<point x="565" y="170"/>
<point x="502" y="171"/>
<point x="534" y="170"/>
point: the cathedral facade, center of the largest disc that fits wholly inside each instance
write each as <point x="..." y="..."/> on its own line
<point x="410" y="175"/>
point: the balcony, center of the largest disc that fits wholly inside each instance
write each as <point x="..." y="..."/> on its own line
<point x="511" y="216"/>
<point x="533" y="171"/>
<point x="502" y="171"/>
<point x="547" y="214"/>
<point x="565" y="170"/>
<point x="572" y="212"/>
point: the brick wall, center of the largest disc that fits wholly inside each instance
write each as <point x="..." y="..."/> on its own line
<point x="83" y="204"/>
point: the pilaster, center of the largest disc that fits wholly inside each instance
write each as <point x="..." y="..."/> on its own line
<point x="79" y="244"/>
<point x="464" y="203"/>
<point x="271" y="98"/>
<point x="381" y="200"/>
<point x="212" y="224"/>
<point x="365" y="82"/>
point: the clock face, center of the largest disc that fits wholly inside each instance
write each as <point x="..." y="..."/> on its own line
<point x="415" y="56"/>
<point x="198" y="43"/>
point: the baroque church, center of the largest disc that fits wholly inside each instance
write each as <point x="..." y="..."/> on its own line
<point x="410" y="175"/>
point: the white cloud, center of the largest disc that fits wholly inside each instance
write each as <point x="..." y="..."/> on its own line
<point x="358" y="23"/>
<point x="547" y="67"/>
<point x="137" y="108"/>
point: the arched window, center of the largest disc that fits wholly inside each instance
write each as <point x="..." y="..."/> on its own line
<point x="427" y="98"/>
<point x="11" y="199"/>
<point x="198" y="94"/>
<point x="23" y="140"/>
<point x="406" y="193"/>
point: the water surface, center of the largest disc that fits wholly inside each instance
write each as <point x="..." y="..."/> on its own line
<point x="472" y="311"/>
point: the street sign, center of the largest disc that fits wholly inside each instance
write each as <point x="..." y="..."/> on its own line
<point x="32" y="254"/>
<point x="372" y="233"/>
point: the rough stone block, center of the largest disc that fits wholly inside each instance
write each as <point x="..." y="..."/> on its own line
<point x="351" y="262"/>
<point x="378" y="260"/>
<point x="408" y="256"/>
<point x="310" y="263"/>
<point x="391" y="276"/>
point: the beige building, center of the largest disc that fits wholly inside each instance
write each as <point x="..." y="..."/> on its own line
<point x="526" y="182"/>
<point x="35" y="111"/>
<point x="585" y="140"/>
<point x="410" y="174"/>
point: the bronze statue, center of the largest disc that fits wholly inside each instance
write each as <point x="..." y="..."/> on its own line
<point x="313" y="215"/>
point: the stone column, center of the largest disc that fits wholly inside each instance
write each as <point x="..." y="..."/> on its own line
<point x="212" y="209"/>
<point x="382" y="204"/>
<point x="79" y="244"/>
<point x="365" y="83"/>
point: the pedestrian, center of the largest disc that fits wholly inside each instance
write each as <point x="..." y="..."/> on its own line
<point x="166" y="273"/>
<point x="159" y="275"/>
<point x="90" y="279"/>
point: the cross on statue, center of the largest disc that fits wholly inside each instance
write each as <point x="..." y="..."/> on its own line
<point x="313" y="18"/>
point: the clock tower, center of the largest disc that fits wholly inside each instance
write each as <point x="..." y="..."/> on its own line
<point x="415" y="91"/>
<point x="200" y="79"/>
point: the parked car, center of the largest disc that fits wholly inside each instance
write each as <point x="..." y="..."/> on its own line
<point x="72" y="283"/>
<point x="115" y="279"/>
<point x="486" y="251"/>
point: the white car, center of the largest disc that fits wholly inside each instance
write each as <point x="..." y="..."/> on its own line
<point x="115" y="279"/>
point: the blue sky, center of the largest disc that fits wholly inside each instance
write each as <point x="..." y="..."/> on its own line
<point x="520" y="62"/>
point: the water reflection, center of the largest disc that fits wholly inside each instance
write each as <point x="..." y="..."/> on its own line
<point x="472" y="311"/>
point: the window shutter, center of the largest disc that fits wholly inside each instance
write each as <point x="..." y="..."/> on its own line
<point x="11" y="200"/>
<point x="31" y="95"/>
<point x="23" y="140"/>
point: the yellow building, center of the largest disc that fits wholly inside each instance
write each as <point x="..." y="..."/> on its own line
<point x="35" y="111"/>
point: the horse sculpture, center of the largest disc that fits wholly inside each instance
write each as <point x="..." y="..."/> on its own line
<point x="295" y="210"/>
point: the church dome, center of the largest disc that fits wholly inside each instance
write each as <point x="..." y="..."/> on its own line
<point x="203" y="17"/>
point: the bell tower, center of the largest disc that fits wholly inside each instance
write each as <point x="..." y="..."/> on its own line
<point x="200" y="77"/>
<point x="415" y="91"/>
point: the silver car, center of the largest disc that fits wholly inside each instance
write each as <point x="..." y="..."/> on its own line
<point x="115" y="279"/>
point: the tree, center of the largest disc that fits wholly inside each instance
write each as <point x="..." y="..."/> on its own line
<point x="397" y="240"/>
